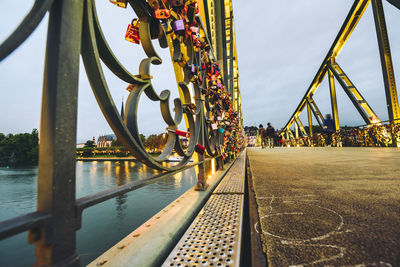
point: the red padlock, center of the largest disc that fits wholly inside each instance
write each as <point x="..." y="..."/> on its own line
<point x="199" y="149"/>
<point x="182" y="133"/>
<point x="132" y="32"/>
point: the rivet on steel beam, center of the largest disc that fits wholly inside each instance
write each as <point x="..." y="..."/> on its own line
<point x="121" y="247"/>
<point x="136" y="234"/>
<point x="148" y="225"/>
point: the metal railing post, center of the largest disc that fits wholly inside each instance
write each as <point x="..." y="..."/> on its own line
<point x="56" y="244"/>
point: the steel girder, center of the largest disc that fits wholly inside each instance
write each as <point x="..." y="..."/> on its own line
<point x="360" y="103"/>
<point x="386" y="59"/>
<point x="355" y="96"/>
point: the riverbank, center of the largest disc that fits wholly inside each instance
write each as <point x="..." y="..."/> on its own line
<point x="108" y="159"/>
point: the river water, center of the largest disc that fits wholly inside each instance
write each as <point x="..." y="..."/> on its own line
<point x="103" y="225"/>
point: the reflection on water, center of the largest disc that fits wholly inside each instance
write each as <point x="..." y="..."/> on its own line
<point x="102" y="225"/>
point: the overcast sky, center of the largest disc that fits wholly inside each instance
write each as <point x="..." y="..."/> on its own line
<point x="281" y="45"/>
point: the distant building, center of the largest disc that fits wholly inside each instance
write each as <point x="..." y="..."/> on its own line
<point x="251" y="135"/>
<point x="105" y="140"/>
<point x="80" y="145"/>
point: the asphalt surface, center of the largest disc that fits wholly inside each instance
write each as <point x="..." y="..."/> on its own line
<point x="328" y="206"/>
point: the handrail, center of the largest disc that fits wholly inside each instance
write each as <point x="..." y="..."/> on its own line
<point x="36" y="219"/>
<point x="96" y="198"/>
<point x="23" y="223"/>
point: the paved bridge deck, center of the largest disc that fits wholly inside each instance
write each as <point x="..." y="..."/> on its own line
<point x="328" y="206"/>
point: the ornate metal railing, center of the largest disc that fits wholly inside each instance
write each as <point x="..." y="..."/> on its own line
<point x="213" y="120"/>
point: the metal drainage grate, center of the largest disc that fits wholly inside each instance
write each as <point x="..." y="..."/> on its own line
<point x="233" y="183"/>
<point x="214" y="237"/>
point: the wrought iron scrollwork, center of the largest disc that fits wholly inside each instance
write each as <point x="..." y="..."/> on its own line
<point x="25" y="28"/>
<point x="198" y="114"/>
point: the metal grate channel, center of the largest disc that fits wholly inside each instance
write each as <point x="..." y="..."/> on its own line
<point x="233" y="183"/>
<point x="214" y="237"/>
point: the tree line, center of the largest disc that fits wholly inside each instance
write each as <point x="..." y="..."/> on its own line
<point x="23" y="149"/>
<point x="19" y="149"/>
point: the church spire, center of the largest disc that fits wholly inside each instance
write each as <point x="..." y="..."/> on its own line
<point x="122" y="108"/>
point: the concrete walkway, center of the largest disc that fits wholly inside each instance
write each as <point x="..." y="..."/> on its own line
<point x="328" y="206"/>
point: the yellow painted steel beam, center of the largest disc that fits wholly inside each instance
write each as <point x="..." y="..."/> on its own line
<point x="309" y="115"/>
<point x="386" y="62"/>
<point x="351" y="21"/>
<point x="335" y="112"/>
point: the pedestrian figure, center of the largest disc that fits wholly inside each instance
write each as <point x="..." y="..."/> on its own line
<point x="261" y="133"/>
<point x="280" y="139"/>
<point x="270" y="132"/>
<point x="328" y="128"/>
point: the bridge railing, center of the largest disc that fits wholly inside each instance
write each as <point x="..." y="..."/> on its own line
<point x="212" y="119"/>
<point x="382" y="134"/>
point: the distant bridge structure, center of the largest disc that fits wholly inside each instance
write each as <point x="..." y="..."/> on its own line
<point x="331" y="69"/>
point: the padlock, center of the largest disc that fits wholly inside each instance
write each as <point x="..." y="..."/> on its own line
<point x="221" y="130"/>
<point x="190" y="107"/>
<point x="193" y="69"/>
<point x="223" y="156"/>
<point x="162" y="14"/>
<point x="178" y="25"/>
<point x="120" y="3"/>
<point x="184" y="13"/>
<point x="182" y="133"/>
<point x="199" y="149"/>
<point x="214" y="126"/>
<point x="132" y="32"/>
<point x="212" y="71"/>
<point x="194" y="29"/>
